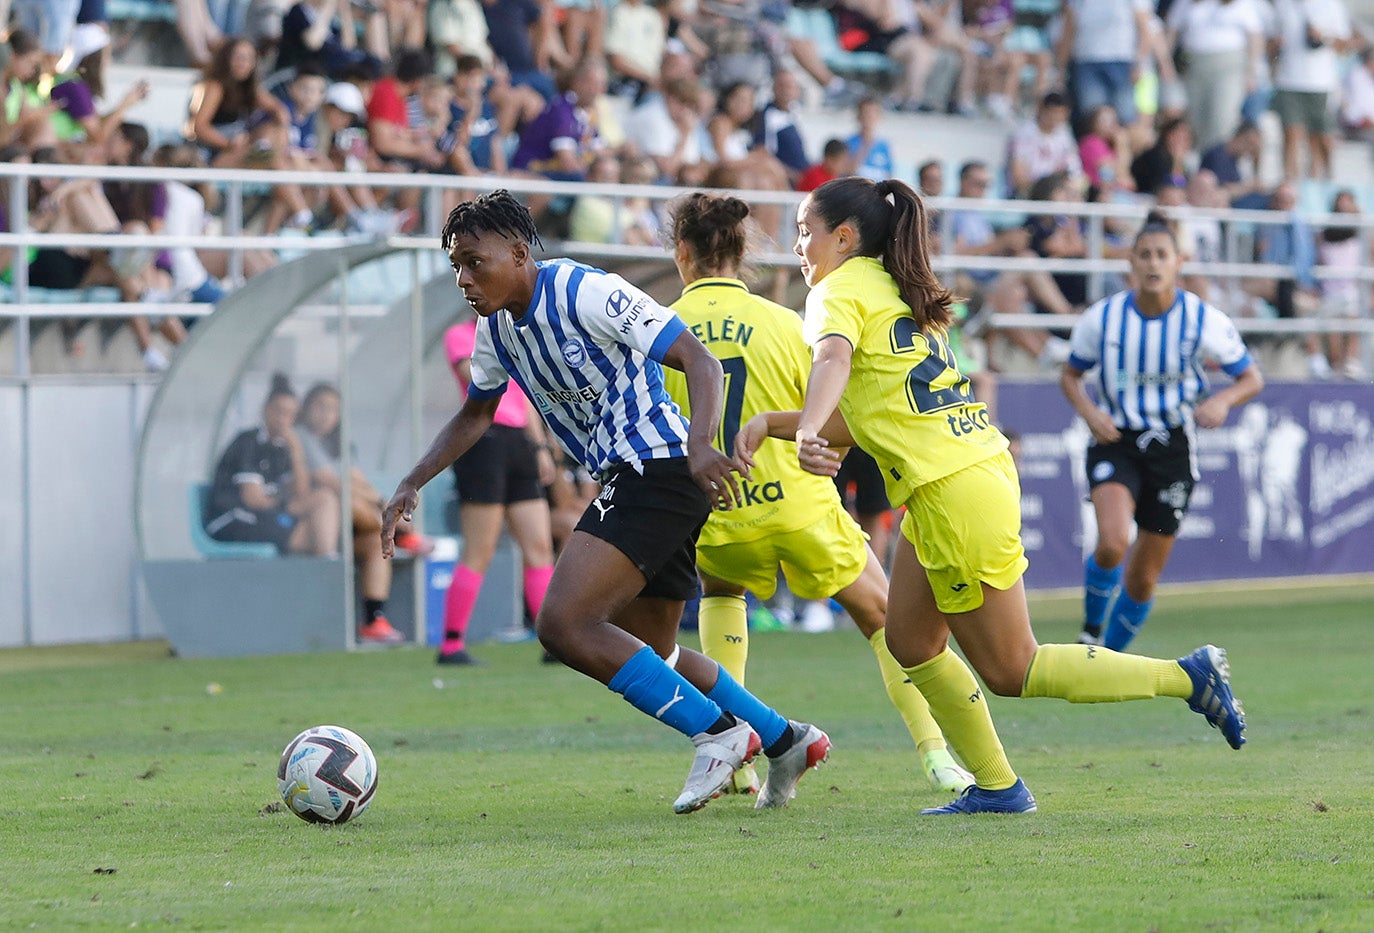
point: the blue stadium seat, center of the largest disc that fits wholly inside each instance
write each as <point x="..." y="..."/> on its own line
<point x="208" y="546"/>
<point x="141" y="11"/>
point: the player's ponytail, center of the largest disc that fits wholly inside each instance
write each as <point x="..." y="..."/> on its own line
<point x="281" y="385"/>
<point x="715" y="231"/>
<point x="897" y="231"/>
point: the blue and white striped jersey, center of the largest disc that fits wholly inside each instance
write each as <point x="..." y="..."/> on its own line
<point x="1150" y="369"/>
<point x="587" y="352"/>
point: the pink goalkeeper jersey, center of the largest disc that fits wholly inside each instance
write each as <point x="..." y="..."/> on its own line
<point x="458" y="343"/>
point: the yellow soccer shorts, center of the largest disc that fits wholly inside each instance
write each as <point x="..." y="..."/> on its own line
<point x="818" y="560"/>
<point x="966" y="528"/>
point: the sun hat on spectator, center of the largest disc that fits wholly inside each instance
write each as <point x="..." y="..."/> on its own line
<point x="347" y="98"/>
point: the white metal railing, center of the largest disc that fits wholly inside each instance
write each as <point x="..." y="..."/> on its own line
<point x="237" y="184"/>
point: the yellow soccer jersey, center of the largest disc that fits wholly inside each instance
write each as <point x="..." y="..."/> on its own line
<point x="907" y="404"/>
<point x="766" y="363"/>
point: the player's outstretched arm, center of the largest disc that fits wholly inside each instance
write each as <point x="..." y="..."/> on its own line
<point x="453" y="440"/>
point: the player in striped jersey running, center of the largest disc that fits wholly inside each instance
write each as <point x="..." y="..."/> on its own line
<point x="1147" y="345"/>
<point x="587" y="348"/>
<point x="790" y="519"/>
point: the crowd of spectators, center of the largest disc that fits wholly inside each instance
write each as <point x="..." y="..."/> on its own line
<point x="1105" y="100"/>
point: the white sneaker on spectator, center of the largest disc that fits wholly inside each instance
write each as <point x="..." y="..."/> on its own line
<point x="1318" y="367"/>
<point x="1354" y="370"/>
<point x="154" y="360"/>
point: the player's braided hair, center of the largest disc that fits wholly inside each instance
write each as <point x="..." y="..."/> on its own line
<point x="713" y="227"/>
<point x="497" y="212"/>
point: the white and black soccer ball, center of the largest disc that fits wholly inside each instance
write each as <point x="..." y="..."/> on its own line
<point x="327" y="775"/>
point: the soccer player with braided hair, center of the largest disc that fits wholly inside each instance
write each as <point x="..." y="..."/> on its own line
<point x="882" y="375"/>
<point x="588" y="349"/>
<point x="790" y="520"/>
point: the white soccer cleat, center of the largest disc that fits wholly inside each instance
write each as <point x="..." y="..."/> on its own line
<point x="812" y="746"/>
<point x="713" y="768"/>
<point x="944" y="773"/>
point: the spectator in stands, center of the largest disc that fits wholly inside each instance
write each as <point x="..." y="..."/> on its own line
<point x="562" y="140"/>
<point x="930" y="179"/>
<point x="942" y="25"/>
<point x="521" y="34"/>
<point x="582" y="27"/>
<point x="870" y="155"/>
<point x="636" y="35"/>
<point x="1027" y="48"/>
<point x="1201" y="239"/>
<point x="973" y="233"/>
<point x="1357" y="99"/>
<point x="26" y="117"/>
<point x="50" y="22"/>
<point x="1341" y="297"/>
<point x="1221" y="42"/>
<point x="1007" y="294"/>
<point x="186" y="216"/>
<point x="737" y="141"/>
<point x="1105" y="151"/>
<point x="261" y="489"/>
<point x="345" y="147"/>
<point x="397" y="130"/>
<point x="1060" y="236"/>
<point x="478" y="126"/>
<point x="739" y="50"/>
<point x="457" y="28"/>
<point x="1043" y="146"/>
<point x="835" y="162"/>
<point x="1236" y="165"/>
<point x="1166" y="162"/>
<point x="233" y="117"/>
<point x="891" y="28"/>
<point x="1103" y="47"/>
<point x="318" y="426"/>
<point x="668" y="129"/>
<point x="1311" y="35"/>
<point x="781" y="134"/>
<point x="326" y="31"/>
<point x="1291" y="243"/>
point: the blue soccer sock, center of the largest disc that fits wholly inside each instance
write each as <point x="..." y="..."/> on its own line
<point x="1126" y="620"/>
<point x="733" y="698"/>
<point x="1099" y="589"/>
<point x="652" y="687"/>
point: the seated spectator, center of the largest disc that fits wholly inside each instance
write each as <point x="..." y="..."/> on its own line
<point x="636" y="34"/>
<point x="870" y="155"/>
<point x="1166" y="162"/>
<point x="737" y="141"/>
<point x="835" y="163"/>
<point x="581" y="28"/>
<point x="1235" y="163"/>
<point x="318" y="426"/>
<point x="1357" y="99"/>
<point x="974" y="235"/>
<point x="326" y="31"/>
<point x="1290" y="243"/>
<point x="1059" y="236"/>
<point x="345" y="147"/>
<point x="781" y="134"/>
<point x="1008" y="295"/>
<point x="739" y="48"/>
<point x="562" y="140"/>
<point x="26" y="117"/>
<point x="668" y="128"/>
<point x="522" y="37"/>
<point x="890" y="28"/>
<point x="397" y="131"/>
<point x="930" y="179"/>
<point x="1105" y="151"/>
<point x="1027" y="48"/>
<point x="196" y="273"/>
<point x="457" y="28"/>
<point x="484" y="113"/>
<point x="1043" y="146"/>
<point x="262" y="490"/>
<point x="1340" y="247"/>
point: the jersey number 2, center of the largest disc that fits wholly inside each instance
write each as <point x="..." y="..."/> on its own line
<point x="920" y="394"/>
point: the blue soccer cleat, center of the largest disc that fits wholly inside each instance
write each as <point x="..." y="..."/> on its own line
<point x="1212" y="696"/>
<point x="1015" y="799"/>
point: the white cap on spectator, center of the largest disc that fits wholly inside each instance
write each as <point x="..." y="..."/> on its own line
<point x="347" y="98"/>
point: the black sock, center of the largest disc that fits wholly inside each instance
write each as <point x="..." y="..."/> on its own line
<point x="726" y="721"/>
<point x="372" y="608"/>
<point x="784" y="742"/>
<point x="1094" y="630"/>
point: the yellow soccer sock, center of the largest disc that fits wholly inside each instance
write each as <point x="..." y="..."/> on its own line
<point x="1088" y="674"/>
<point x="958" y="705"/>
<point x="925" y="732"/>
<point x="723" y="626"/>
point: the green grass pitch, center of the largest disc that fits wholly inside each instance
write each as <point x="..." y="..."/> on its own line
<point x="516" y="796"/>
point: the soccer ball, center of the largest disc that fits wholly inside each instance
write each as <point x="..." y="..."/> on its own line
<point x="327" y="775"/>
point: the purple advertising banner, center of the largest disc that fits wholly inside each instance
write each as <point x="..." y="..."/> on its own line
<point x="1287" y="486"/>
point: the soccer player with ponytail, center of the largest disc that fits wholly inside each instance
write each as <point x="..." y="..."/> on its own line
<point x="790" y="519"/>
<point x="883" y="376"/>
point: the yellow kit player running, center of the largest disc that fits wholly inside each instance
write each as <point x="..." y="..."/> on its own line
<point x="876" y="319"/>
<point x="788" y="518"/>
